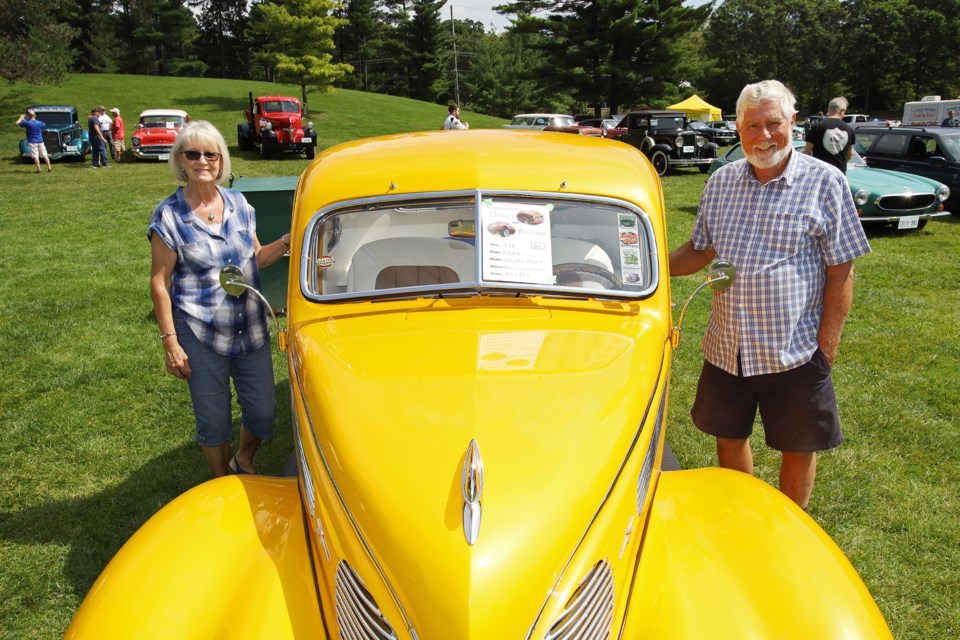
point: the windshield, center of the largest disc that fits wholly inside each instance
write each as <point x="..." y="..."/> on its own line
<point x="162" y="121"/>
<point x="491" y="242"/>
<point x="281" y="106"/>
<point x="55" y="118"/>
<point x="677" y="122"/>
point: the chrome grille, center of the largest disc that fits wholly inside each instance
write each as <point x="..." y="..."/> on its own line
<point x="358" y="616"/>
<point x="906" y="201"/>
<point x="589" y="612"/>
<point x="51" y="141"/>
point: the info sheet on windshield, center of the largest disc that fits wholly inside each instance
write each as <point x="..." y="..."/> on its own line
<point x="516" y="242"/>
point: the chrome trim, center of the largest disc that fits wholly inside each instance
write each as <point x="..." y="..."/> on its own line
<point x="472" y="489"/>
<point x="480" y="285"/>
<point x="358" y="615"/>
<point x="346" y="509"/>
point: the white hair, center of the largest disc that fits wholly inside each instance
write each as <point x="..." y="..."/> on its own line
<point x="766" y="91"/>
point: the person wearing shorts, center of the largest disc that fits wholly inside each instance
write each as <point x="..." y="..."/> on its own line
<point x="788" y="223"/>
<point x="34" y="129"/>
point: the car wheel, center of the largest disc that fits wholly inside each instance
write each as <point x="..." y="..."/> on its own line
<point x="244" y="143"/>
<point x="704" y="168"/>
<point x="660" y="162"/>
<point x="311" y="152"/>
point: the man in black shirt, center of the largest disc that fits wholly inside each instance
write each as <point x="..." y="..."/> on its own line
<point x="831" y="139"/>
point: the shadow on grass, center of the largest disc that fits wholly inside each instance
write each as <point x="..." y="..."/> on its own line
<point x="94" y="527"/>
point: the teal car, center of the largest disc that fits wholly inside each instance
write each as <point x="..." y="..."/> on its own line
<point x="63" y="136"/>
<point x="888" y="198"/>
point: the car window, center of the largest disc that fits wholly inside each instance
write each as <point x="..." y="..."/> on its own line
<point x="864" y="140"/>
<point x="889" y="146"/>
<point x="54" y="118"/>
<point x="920" y="147"/>
<point x="949" y="147"/>
<point x="429" y="246"/>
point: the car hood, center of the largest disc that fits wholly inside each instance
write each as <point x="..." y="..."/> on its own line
<point x="553" y="399"/>
<point x="884" y="181"/>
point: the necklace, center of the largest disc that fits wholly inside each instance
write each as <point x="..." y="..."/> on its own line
<point x="211" y="216"/>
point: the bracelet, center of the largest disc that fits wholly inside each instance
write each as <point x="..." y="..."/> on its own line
<point x="284" y="242"/>
<point x="164" y="336"/>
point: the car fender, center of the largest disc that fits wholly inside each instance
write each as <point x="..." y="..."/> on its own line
<point x="227" y="559"/>
<point x="24" y="149"/>
<point x="710" y="149"/>
<point x="727" y="556"/>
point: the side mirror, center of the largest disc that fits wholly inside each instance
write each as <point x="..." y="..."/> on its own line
<point x="720" y="275"/>
<point x="234" y="283"/>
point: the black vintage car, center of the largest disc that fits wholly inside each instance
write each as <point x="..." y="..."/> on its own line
<point x="667" y="141"/>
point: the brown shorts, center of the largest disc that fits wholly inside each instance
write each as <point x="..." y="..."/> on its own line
<point x="798" y="408"/>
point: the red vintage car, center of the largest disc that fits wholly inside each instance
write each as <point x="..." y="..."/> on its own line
<point x="156" y="131"/>
<point x="274" y="124"/>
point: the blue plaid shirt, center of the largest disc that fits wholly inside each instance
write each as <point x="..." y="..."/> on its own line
<point x="780" y="236"/>
<point x="227" y="325"/>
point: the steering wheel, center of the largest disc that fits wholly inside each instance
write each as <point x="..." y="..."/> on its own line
<point x="585" y="267"/>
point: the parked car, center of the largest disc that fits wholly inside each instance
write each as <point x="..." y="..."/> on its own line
<point x="63" y="135"/>
<point x="850" y="118"/>
<point x="156" y="131"/>
<point x="479" y="427"/>
<point x="729" y="125"/>
<point x="276" y="123"/>
<point x="932" y="152"/>
<point x="610" y="126"/>
<point x="665" y="138"/>
<point x="882" y="197"/>
<point x="552" y="122"/>
<point x="722" y="136"/>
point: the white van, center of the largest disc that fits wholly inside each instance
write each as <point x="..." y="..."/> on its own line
<point x="930" y="111"/>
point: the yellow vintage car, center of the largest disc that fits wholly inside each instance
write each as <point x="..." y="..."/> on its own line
<point x="479" y="427"/>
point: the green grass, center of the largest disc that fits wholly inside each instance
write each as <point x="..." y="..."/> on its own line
<point x="96" y="437"/>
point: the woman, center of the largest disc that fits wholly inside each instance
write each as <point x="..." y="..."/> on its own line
<point x="210" y="337"/>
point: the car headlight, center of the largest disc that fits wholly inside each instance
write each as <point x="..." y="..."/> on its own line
<point x="264" y="124"/>
<point x="943" y="193"/>
<point x="861" y="197"/>
<point x="67" y="138"/>
<point x="701" y="141"/>
<point x="679" y="141"/>
<point x="136" y="141"/>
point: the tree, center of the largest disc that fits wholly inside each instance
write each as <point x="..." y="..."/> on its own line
<point x="222" y="25"/>
<point x="420" y="56"/>
<point x="613" y="51"/>
<point x="34" y="46"/>
<point x="295" y="39"/>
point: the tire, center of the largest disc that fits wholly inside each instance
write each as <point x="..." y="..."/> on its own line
<point x="921" y="224"/>
<point x="660" y="162"/>
<point x="311" y="152"/>
<point x="244" y="141"/>
<point x="704" y="168"/>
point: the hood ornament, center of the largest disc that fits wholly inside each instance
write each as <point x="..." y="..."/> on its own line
<point x="472" y="489"/>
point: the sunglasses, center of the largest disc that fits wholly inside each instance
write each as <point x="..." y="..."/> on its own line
<point x="193" y="156"/>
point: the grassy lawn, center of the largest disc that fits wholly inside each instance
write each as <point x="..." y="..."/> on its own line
<point x="97" y="437"/>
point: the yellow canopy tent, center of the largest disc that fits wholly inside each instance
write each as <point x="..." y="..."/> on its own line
<point x="697" y="109"/>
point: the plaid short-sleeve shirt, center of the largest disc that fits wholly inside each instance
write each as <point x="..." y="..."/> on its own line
<point x="227" y="325"/>
<point x="781" y="236"/>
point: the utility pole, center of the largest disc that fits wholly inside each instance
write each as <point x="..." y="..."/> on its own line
<point x="456" y="73"/>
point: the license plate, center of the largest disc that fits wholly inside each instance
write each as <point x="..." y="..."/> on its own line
<point x="71" y="147"/>
<point x="688" y="148"/>
<point x="307" y="140"/>
<point x="163" y="156"/>
<point x="908" y="222"/>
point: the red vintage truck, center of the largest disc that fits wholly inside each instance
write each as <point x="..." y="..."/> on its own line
<point x="274" y="124"/>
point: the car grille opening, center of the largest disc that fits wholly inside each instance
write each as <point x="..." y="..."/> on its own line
<point x="589" y="612"/>
<point x="358" y="616"/>
<point x="906" y="202"/>
<point x="51" y="141"/>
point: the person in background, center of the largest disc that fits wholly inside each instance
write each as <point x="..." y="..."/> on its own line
<point x="789" y="225"/>
<point x="831" y="139"/>
<point x="34" y="132"/>
<point x="98" y="151"/>
<point x="951" y="120"/>
<point x="453" y="119"/>
<point x="118" y="133"/>
<point x="106" y="126"/>
<point x="208" y="336"/>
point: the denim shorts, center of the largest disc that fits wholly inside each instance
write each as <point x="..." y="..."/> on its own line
<point x="798" y="407"/>
<point x="210" y="389"/>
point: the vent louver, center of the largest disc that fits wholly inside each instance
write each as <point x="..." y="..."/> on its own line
<point x="589" y="612"/>
<point x="358" y="616"/>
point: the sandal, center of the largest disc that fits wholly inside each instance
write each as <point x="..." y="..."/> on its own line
<point x="235" y="469"/>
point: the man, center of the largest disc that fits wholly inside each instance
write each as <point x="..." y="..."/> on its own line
<point x="106" y="125"/>
<point x="831" y="139"/>
<point x="98" y="151"/>
<point x="951" y="120"/>
<point x="118" y="133"/>
<point x="789" y="225"/>
<point x="34" y="129"/>
<point x="453" y="119"/>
